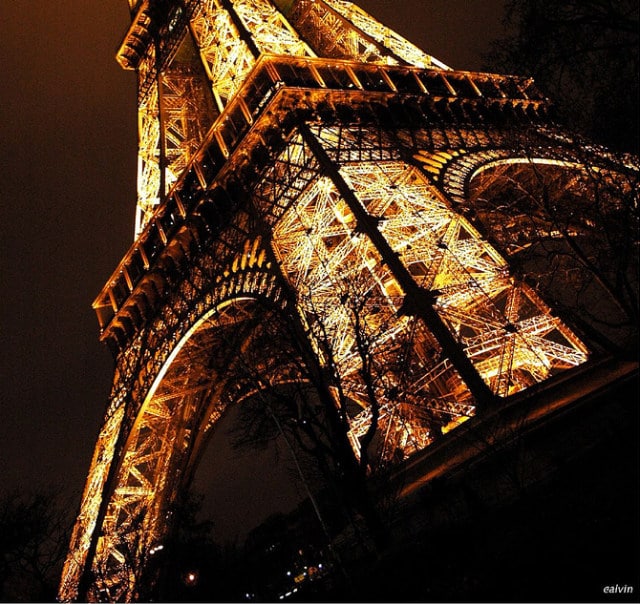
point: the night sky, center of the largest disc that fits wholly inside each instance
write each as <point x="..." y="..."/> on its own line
<point x="67" y="187"/>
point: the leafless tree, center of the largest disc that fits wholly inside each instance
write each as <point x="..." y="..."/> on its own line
<point x="573" y="231"/>
<point x="584" y="55"/>
<point x="34" y="534"/>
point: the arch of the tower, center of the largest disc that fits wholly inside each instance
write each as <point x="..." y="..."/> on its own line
<point x="240" y="350"/>
<point x="148" y="364"/>
<point x="567" y="224"/>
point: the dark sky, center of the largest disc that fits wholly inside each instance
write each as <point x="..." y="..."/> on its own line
<point x="67" y="188"/>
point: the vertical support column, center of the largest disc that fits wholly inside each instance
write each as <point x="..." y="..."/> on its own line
<point x="418" y="301"/>
<point x="86" y="578"/>
<point x="162" y="160"/>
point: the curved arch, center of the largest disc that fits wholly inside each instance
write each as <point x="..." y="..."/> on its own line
<point x="525" y="160"/>
<point x="569" y="227"/>
<point x="462" y="168"/>
<point x="213" y="366"/>
<point x="208" y="284"/>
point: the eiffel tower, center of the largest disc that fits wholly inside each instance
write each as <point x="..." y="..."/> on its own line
<point x="318" y="219"/>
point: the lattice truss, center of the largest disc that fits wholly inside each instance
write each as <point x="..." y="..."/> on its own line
<point x="187" y="111"/>
<point x="232" y="354"/>
<point x="353" y="304"/>
<point x="93" y="492"/>
<point x="228" y="41"/>
<point x="149" y="176"/>
<point x="159" y="440"/>
<point x="384" y="36"/>
<point x="342" y="30"/>
<point x="183" y="108"/>
<point x="224" y="49"/>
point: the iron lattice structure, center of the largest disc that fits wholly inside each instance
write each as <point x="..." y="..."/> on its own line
<point x="304" y="208"/>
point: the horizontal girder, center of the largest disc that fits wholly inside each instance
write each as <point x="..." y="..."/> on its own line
<point x="248" y="111"/>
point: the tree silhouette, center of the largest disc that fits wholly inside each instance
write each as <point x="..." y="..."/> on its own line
<point x="574" y="231"/>
<point x="584" y="55"/>
<point x="34" y="534"/>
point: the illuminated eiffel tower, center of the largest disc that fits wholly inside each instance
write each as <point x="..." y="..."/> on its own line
<point x="311" y="220"/>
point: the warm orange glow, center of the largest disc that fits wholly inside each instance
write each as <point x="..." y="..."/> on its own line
<point x="342" y="209"/>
